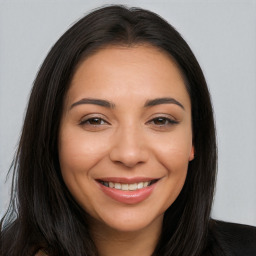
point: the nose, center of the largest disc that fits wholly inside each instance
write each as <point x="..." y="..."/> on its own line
<point x="129" y="148"/>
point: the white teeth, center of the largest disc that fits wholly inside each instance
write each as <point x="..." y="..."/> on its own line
<point x="133" y="186"/>
<point x="140" y="185"/>
<point x="118" y="186"/>
<point x="126" y="187"/>
<point x="145" y="184"/>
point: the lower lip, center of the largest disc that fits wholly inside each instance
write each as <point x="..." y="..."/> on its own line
<point x="128" y="197"/>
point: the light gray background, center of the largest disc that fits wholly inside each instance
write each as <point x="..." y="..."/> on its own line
<point x="222" y="35"/>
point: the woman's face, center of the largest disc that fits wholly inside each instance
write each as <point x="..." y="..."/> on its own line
<point x="125" y="138"/>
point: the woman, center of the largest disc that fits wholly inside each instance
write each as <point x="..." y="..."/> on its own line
<point x="118" y="151"/>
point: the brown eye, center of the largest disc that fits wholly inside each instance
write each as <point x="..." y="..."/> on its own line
<point x="162" y="121"/>
<point x="93" y="121"/>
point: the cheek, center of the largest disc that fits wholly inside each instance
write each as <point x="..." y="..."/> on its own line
<point x="174" y="151"/>
<point x="77" y="151"/>
<point x="78" y="154"/>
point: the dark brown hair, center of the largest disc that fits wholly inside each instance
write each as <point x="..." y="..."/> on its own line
<point x="42" y="213"/>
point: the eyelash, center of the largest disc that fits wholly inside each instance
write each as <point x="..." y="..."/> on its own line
<point x="87" y="121"/>
<point x="166" y="122"/>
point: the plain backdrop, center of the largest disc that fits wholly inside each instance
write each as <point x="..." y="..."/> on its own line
<point x="222" y="35"/>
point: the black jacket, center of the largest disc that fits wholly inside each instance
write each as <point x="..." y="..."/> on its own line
<point x="224" y="239"/>
<point x="229" y="239"/>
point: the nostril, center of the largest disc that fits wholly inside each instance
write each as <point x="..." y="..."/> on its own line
<point x="128" y="164"/>
<point x="128" y="159"/>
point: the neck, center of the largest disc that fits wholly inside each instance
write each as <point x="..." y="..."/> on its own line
<point x="110" y="242"/>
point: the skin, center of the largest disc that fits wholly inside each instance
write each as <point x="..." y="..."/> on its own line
<point x="127" y="140"/>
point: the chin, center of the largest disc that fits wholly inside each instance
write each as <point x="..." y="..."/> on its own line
<point x="129" y="220"/>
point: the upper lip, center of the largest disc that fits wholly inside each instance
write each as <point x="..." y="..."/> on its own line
<point x="126" y="180"/>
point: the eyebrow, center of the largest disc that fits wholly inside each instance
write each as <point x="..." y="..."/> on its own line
<point x="99" y="102"/>
<point x="158" y="101"/>
<point x="111" y="105"/>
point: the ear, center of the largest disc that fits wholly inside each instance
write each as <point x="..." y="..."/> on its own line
<point x="192" y="153"/>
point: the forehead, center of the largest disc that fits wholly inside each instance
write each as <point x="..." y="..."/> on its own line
<point x="128" y="72"/>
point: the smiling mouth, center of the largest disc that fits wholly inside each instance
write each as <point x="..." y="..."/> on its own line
<point x="127" y="187"/>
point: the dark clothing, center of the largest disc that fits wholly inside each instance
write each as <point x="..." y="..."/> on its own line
<point x="229" y="239"/>
<point x="224" y="239"/>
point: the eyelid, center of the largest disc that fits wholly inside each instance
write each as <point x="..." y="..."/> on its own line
<point x="162" y="115"/>
<point x="88" y="117"/>
<point x="170" y="119"/>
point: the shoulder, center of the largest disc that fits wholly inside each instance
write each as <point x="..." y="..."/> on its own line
<point x="232" y="239"/>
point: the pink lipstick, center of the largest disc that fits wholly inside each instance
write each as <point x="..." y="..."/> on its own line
<point x="127" y="190"/>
